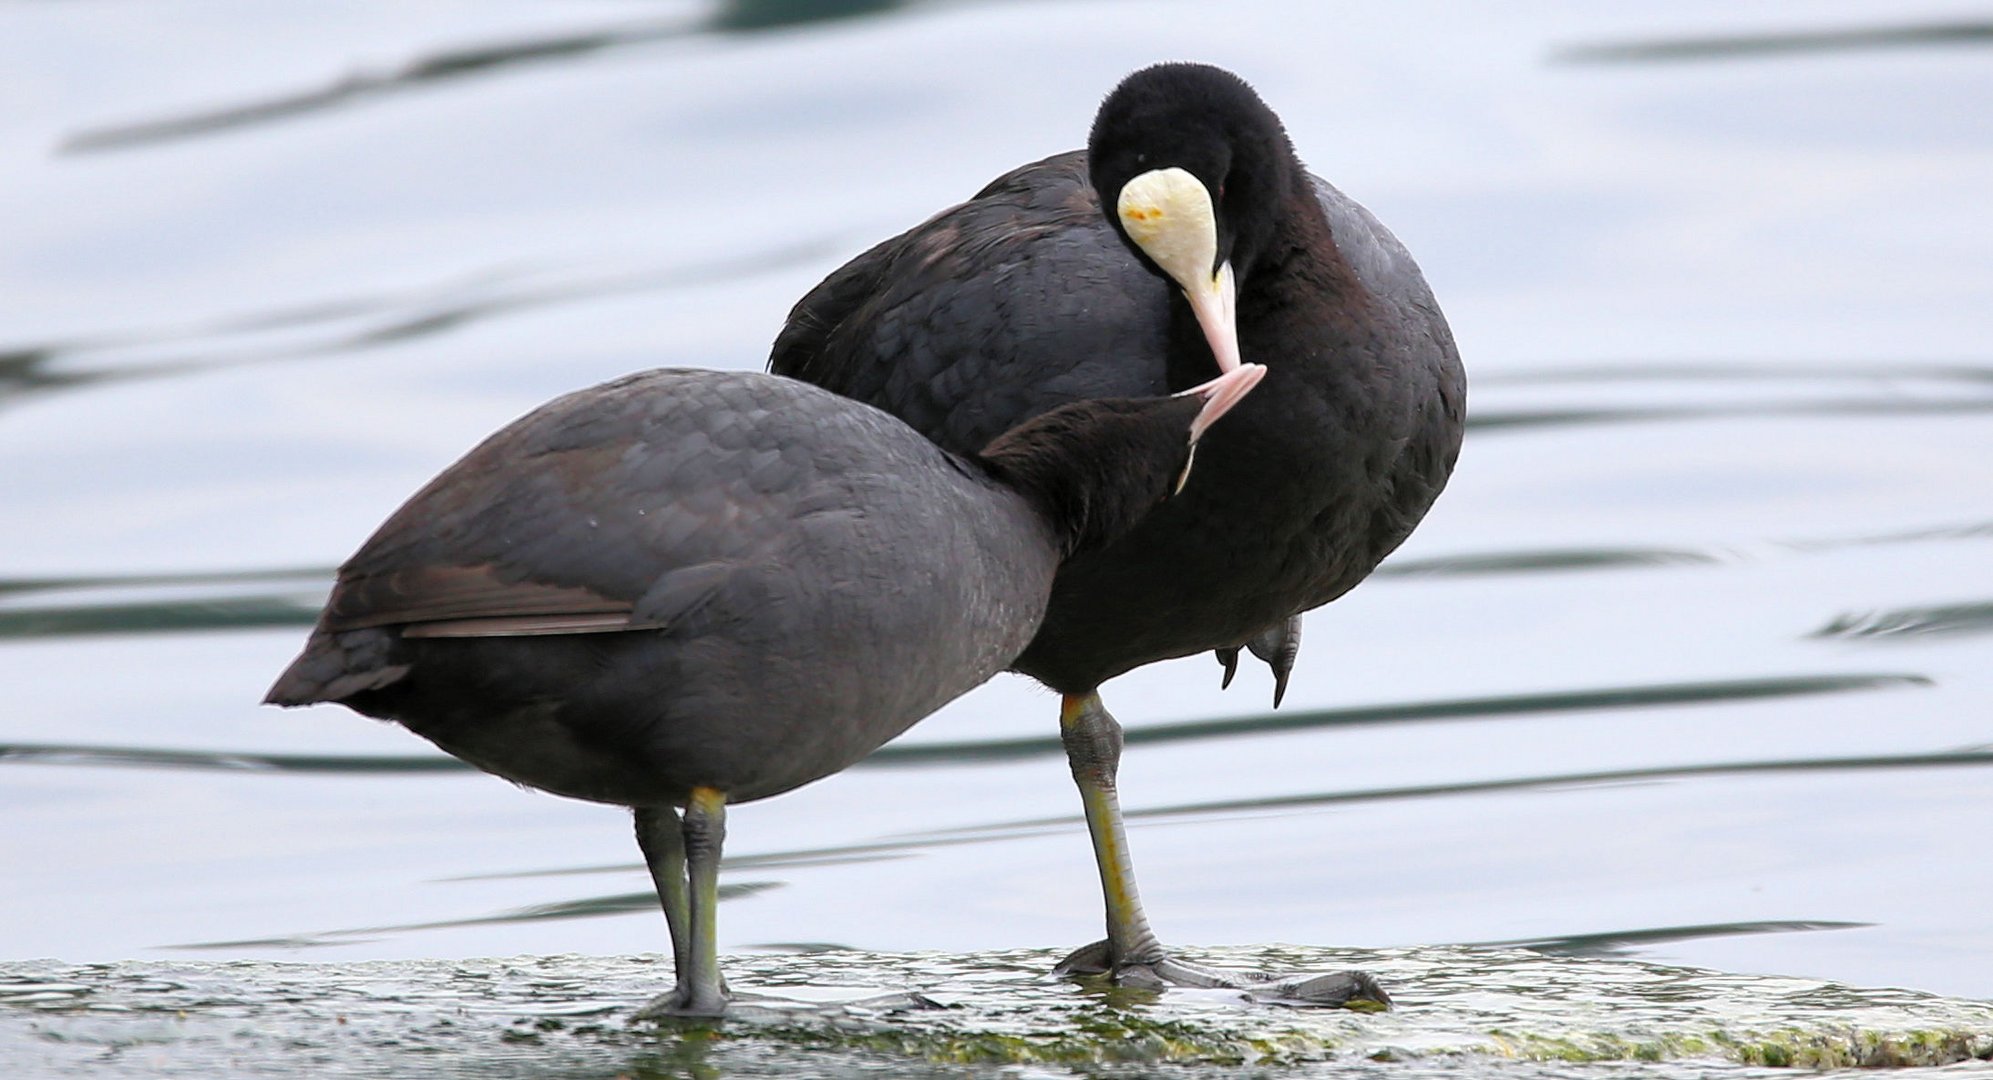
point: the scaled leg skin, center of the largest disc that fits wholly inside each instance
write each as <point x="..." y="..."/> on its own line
<point x="700" y="992"/>
<point x="1093" y="749"/>
<point x="1132" y="955"/>
<point x="664" y="852"/>
<point x="1278" y="647"/>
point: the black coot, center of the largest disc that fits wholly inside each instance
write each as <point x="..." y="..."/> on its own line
<point x="689" y="588"/>
<point x="1216" y="244"/>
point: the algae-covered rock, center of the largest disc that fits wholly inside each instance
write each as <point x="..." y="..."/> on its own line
<point x="833" y="1014"/>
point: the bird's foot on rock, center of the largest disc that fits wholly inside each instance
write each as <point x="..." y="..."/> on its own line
<point x="684" y="1004"/>
<point x="1342" y="989"/>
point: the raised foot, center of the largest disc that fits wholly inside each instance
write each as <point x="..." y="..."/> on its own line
<point x="1277" y="645"/>
<point x="1342" y="989"/>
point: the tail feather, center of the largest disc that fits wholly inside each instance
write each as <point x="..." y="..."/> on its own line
<point x="334" y="667"/>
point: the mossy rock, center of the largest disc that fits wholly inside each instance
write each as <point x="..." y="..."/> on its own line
<point x="847" y="1013"/>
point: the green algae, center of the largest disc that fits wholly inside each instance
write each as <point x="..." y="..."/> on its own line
<point x="833" y="1014"/>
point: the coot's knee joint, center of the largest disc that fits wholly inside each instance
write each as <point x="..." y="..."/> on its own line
<point x="1092" y="738"/>
<point x="705" y="820"/>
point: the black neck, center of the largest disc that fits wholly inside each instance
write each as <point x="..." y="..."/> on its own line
<point x="1093" y="469"/>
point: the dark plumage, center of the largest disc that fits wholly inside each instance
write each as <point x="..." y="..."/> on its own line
<point x="1109" y="272"/>
<point x="687" y="588"/>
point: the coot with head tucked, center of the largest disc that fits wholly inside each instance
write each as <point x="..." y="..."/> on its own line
<point x="690" y="588"/>
<point x="1187" y="234"/>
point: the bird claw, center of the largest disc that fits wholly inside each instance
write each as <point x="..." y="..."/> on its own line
<point x="1229" y="660"/>
<point x="1357" y="990"/>
<point x="1278" y="646"/>
<point x="1094" y="959"/>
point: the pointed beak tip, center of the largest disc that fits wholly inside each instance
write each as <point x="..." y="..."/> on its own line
<point x="1221" y="394"/>
<point x="1216" y="309"/>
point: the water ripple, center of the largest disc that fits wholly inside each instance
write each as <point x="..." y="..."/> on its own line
<point x="974" y="752"/>
<point x="1620" y="943"/>
<point x="237" y="613"/>
<point x="1692" y="371"/>
<point x="224" y="760"/>
<point x="1815" y="389"/>
<point x="161" y="603"/>
<point x="1619" y="697"/>
<point x="1948" y="33"/>
<point x="1970" y="530"/>
<point x="1533" y="562"/>
<point x="444" y="65"/>
<point x="1947" y="759"/>
<point x="1499" y="419"/>
<point x="1969" y="757"/>
<point x="1944" y="620"/>
<point x="359" y="323"/>
<point x="585" y="908"/>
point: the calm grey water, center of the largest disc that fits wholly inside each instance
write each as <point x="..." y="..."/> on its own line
<point x="1690" y="665"/>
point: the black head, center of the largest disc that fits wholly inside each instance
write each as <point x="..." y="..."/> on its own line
<point x="1094" y="469"/>
<point x="1208" y="122"/>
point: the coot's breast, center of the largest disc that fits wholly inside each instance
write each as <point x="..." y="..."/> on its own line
<point x="1322" y="473"/>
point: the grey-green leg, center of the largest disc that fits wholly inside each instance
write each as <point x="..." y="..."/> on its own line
<point x="664" y="852"/>
<point x="1132" y="954"/>
<point x="695" y="948"/>
<point x="705" y="834"/>
<point x="1093" y="749"/>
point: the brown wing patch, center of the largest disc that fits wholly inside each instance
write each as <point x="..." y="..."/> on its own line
<point x="521" y="626"/>
<point x="456" y="596"/>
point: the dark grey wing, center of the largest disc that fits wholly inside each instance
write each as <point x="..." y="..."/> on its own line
<point x="625" y="506"/>
<point x="1015" y="302"/>
<point x="802" y="348"/>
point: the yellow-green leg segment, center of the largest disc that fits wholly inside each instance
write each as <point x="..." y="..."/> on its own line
<point x="684" y="860"/>
<point x="1132" y="954"/>
<point x="705" y="833"/>
<point x="664" y="853"/>
<point x="1093" y="749"/>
